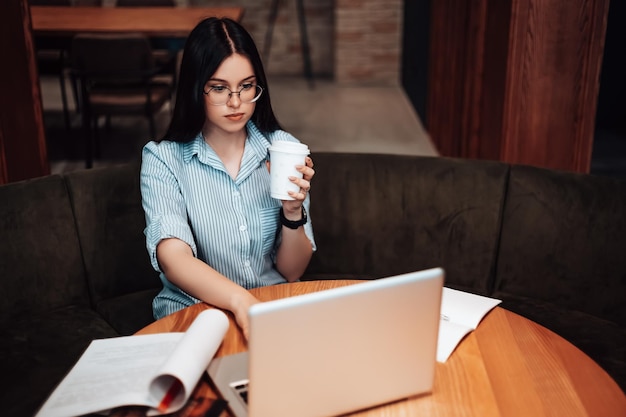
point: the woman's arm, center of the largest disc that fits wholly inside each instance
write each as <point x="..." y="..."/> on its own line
<point x="203" y="282"/>
<point x="295" y="250"/>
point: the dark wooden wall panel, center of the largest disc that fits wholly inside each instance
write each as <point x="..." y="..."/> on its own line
<point x="516" y="80"/>
<point x="22" y="136"/>
<point x="447" y="73"/>
<point x="487" y="138"/>
<point x="554" y="69"/>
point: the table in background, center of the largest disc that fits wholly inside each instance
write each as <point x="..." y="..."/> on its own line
<point x="152" y="21"/>
<point x="55" y="26"/>
<point x="509" y="366"/>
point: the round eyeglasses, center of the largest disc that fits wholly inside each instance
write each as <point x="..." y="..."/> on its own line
<point x="220" y="95"/>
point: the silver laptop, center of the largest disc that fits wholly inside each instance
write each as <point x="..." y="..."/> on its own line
<point x="335" y="351"/>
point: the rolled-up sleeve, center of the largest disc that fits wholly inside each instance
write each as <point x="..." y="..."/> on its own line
<point x="163" y="204"/>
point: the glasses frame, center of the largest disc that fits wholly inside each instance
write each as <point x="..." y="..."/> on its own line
<point x="231" y="92"/>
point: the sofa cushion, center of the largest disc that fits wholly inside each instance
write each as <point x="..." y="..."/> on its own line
<point x="379" y="215"/>
<point x="129" y="313"/>
<point x="40" y="258"/>
<point x="38" y="350"/>
<point x="602" y="340"/>
<point x="563" y="241"/>
<point x="110" y="222"/>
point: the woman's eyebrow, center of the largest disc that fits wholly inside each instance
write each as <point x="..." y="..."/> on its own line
<point x="226" y="82"/>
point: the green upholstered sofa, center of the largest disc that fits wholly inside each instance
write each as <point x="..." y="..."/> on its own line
<point x="550" y="244"/>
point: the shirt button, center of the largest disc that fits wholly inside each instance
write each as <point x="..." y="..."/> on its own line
<point x="247" y="263"/>
<point x="242" y="228"/>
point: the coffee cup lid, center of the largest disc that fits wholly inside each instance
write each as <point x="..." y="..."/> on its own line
<point x="287" y="146"/>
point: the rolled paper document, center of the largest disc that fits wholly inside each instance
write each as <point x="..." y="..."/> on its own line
<point x="284" y="156"/>
<point x="179" y="375"/>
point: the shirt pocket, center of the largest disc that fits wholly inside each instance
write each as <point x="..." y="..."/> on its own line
<point x="269" y="227"/>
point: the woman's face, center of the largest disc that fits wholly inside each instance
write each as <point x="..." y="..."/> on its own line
<point x="233" y="75"/>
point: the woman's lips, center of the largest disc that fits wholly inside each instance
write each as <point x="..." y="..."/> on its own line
<point x="235" y="117"/>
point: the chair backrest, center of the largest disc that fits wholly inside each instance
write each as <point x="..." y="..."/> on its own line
<point x="40" y="254"/>
<point x="112" y="57"/>
<point x="50" y="2"/>
<point x="427" y="212"/>
<point x="88" y="3"/>
<point x="110" y="222"/>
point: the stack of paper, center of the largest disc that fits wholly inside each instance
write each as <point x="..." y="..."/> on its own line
<point x="460" y="314"/>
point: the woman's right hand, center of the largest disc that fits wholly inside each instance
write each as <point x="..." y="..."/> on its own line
<point x="241" y="304"/>
<point x="183" y="269"/>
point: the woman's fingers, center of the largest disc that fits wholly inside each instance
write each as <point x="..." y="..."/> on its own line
<point x="307" y="171"/>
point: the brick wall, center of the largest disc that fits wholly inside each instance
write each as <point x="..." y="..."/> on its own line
<point x="368" y="41"/>
<point x="356" y="42"/>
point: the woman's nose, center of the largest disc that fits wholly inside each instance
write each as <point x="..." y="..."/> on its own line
<point x="234" y="100"/>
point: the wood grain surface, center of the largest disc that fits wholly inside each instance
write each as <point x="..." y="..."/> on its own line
<point x="509" y="366"/>
<point x="152" y="21"/>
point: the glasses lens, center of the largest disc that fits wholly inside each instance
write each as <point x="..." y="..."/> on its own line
<point x="249" y="93"/>
<point x="219" y="95"/>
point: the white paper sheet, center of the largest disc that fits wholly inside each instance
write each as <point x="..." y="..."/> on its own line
<point x="461" y="312"/>
<point x="121" y="371"/>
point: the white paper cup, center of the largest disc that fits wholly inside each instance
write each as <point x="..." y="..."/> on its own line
<point x="284" y="156"/>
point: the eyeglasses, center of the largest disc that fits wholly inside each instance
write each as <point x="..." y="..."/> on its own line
<point x="220" y="95"/>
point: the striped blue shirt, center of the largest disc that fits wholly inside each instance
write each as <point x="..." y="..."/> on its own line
<point x="232" y="225"/>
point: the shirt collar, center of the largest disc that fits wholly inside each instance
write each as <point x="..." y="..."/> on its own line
<point x="193" y="147"/>
<point x="255" y="150"/>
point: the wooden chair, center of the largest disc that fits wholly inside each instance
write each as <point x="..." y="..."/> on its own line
<point x="116" y="76"/>
<point x="304" y="38"/>
<point x="51" y="53"/>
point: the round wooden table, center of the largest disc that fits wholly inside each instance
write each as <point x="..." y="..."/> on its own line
<point x="509" y="366"/>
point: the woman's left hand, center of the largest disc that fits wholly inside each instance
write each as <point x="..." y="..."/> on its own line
<point x="293" y="208"/>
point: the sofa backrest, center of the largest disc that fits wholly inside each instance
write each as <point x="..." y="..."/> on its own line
<point x="379" y="215"/>
<point x="564" y="241"/>
<point x="40" y="258"/>
<point x="110" y="223"/>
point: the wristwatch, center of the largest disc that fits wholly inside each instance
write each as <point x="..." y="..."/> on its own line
<point x="292" y="224"/>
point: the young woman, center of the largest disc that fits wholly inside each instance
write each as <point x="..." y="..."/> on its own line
<point x="212" y="229"/>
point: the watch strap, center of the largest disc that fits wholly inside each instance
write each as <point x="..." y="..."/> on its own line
<point x="291" y="224"/>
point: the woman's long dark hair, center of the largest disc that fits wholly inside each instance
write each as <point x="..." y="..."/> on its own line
<point x="208" y="45"/>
